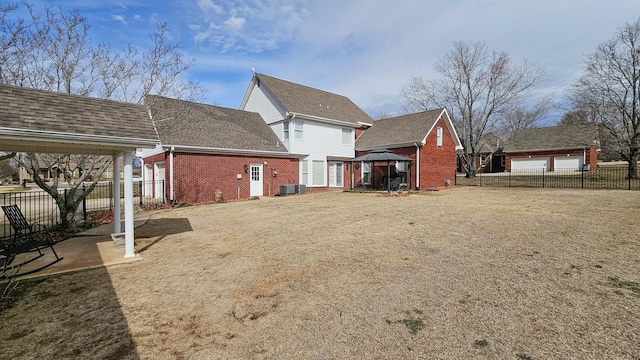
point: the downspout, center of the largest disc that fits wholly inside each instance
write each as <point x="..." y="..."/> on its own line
<point x="171" y="197"/>
<point x="584" y="156"/>
<point x="417" y="166"/>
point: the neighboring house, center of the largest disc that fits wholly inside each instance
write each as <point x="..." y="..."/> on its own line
<point x="490" y="158"/>
<point x="427" y="138"/>
<point x="565" y="147"/>
<point x="319" y="125"/>
<point x="207" y="152"/>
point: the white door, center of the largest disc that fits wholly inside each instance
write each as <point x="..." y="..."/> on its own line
<point x="255" y="188"/>
<point x="567" y="163"/>
<point x="158" y="178"/>
<point x="335" y="174"/>
<point x="148" y="180"/>
<point x="530" y="164"/>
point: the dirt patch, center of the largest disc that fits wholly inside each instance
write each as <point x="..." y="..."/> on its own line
<point x="464" y="273"/>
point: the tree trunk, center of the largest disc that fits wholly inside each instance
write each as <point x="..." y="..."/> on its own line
<point x="633" y="166"/>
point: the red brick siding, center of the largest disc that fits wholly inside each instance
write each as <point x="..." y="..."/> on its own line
<point x="198" y="176"/>
<point x="438" y="164"/>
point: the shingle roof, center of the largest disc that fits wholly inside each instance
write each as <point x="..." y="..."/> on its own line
<point x="305" y="100"/>
<point x="39" y="110"/>
<point x="183" y="123"/>
<point x="552" y="138"/>
<point x="398" y="131"/>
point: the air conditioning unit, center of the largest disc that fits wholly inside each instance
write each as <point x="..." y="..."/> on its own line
<point x="301" y="189"/>
<point x="287" y="189"/>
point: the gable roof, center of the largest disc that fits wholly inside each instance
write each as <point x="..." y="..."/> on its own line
<point x="80" y="124"/>
<point x="491" y="142"/>
<point x="403" y="131"/>
<point x="310" y="102"/>
<point x="563" y="137"/>
<point x="200" y="127"/>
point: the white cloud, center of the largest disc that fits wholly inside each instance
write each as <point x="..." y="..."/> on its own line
<point x="119" y="18"/>
<point x="235" y="24"/>
<point x="210" y="5"/>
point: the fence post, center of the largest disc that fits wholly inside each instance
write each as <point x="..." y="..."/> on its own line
<point x="582" y="179"/>
<point x="84" y="201"/>
<point x="140" y="191"/>
<point x="543" y="178"/>
<point x="110" y="195"/>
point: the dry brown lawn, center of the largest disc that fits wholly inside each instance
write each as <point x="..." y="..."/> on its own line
<point x="463" y="273"/>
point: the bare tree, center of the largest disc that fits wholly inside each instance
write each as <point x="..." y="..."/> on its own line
<point x="479" y="87"/>
<point x="609" y="92"/>
<point x="53" y="51"/>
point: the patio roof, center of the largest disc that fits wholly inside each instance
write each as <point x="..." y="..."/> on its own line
<point x="381" y="155"/>
<point x="41" y="121"/>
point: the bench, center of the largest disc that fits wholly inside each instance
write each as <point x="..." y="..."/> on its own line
<point x="24" y="240"/>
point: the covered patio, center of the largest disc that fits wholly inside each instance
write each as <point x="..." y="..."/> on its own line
<point x="374" y="177"/>
<point x="37" y="121"/>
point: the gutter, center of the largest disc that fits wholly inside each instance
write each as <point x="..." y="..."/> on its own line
<point x="71" y="138"/>
<point x="324" y="120"/>
<point x="210" y="150"/>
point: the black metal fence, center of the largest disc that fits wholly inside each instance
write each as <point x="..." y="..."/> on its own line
<point x="39" y="206"/>
<point x="604" y="177"/>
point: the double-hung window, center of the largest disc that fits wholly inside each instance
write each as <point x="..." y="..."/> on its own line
<point x="346" y="136"/>
<point x="297" y="128"/>
<point x="285" y="130"/>
<point x="439" y="136"/>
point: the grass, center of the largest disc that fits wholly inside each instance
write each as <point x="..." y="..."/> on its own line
<point x="481" y="273"/>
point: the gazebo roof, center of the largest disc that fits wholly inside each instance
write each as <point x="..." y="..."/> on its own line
<point x="381" y="155"/>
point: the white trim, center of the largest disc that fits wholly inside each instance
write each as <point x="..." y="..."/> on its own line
<point x="70" y="138"/>
<point x="129" y="250"/>
<point x="323" y="119"/>
<point x="117" y="215"/>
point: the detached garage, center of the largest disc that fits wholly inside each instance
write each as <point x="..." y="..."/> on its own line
<point x="530" y="164"/>
<point x="565" y="147"/>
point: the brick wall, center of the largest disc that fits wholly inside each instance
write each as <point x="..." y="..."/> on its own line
<point x="198" y="176"/>
<point x="438" y="164"/>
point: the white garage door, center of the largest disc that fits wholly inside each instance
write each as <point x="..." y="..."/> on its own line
<point x="530" y="164"/>
<point x="567" y="162"/>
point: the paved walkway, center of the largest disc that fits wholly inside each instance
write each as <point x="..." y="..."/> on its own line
<point x="89" y="249"/>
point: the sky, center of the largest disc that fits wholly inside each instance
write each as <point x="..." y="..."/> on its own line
<point x="363" y="49"/>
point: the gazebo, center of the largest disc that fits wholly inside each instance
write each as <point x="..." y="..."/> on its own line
<point x="40" y="121"/>
<point x="383" y="155"/>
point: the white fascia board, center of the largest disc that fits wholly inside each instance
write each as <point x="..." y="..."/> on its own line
<point x="210" y="150"/>
<point x="322" y="119"/>
<point x="452" y="129"/>
<point x="70" y="138"/>
<point x="247" y="93"/>
<point x="159" y="149"/>
<point x="361" y="123"/>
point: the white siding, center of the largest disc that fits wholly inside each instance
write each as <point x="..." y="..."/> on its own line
<point x="266" y="105"/>
<point x="320" y="140"/>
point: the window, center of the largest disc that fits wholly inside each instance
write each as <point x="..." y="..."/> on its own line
<point x="502" y="161"/>
<point x="285" y="131"/>
<point x="304" y="170"/>
<point x="318" y="172"/>
<point x="439" y="136"/>
<point x="346" y="136"/>
<point x="483" y="160"/>
<point x="401" y="169"/>
<point x="366" y="173"/>
<point x="297" y="130"/>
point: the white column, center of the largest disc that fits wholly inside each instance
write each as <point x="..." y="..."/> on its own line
<point x="117" y="216"/>
<point x="170" y="176"/>
<point x="129" y="250"/>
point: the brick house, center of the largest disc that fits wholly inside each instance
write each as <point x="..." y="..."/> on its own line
<point x="427" y="138"/>
<point x="209" y="152"/>
<point x="320" y="126"/>
<point x="490" y="158"/>
<point x="552" y="148"/>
